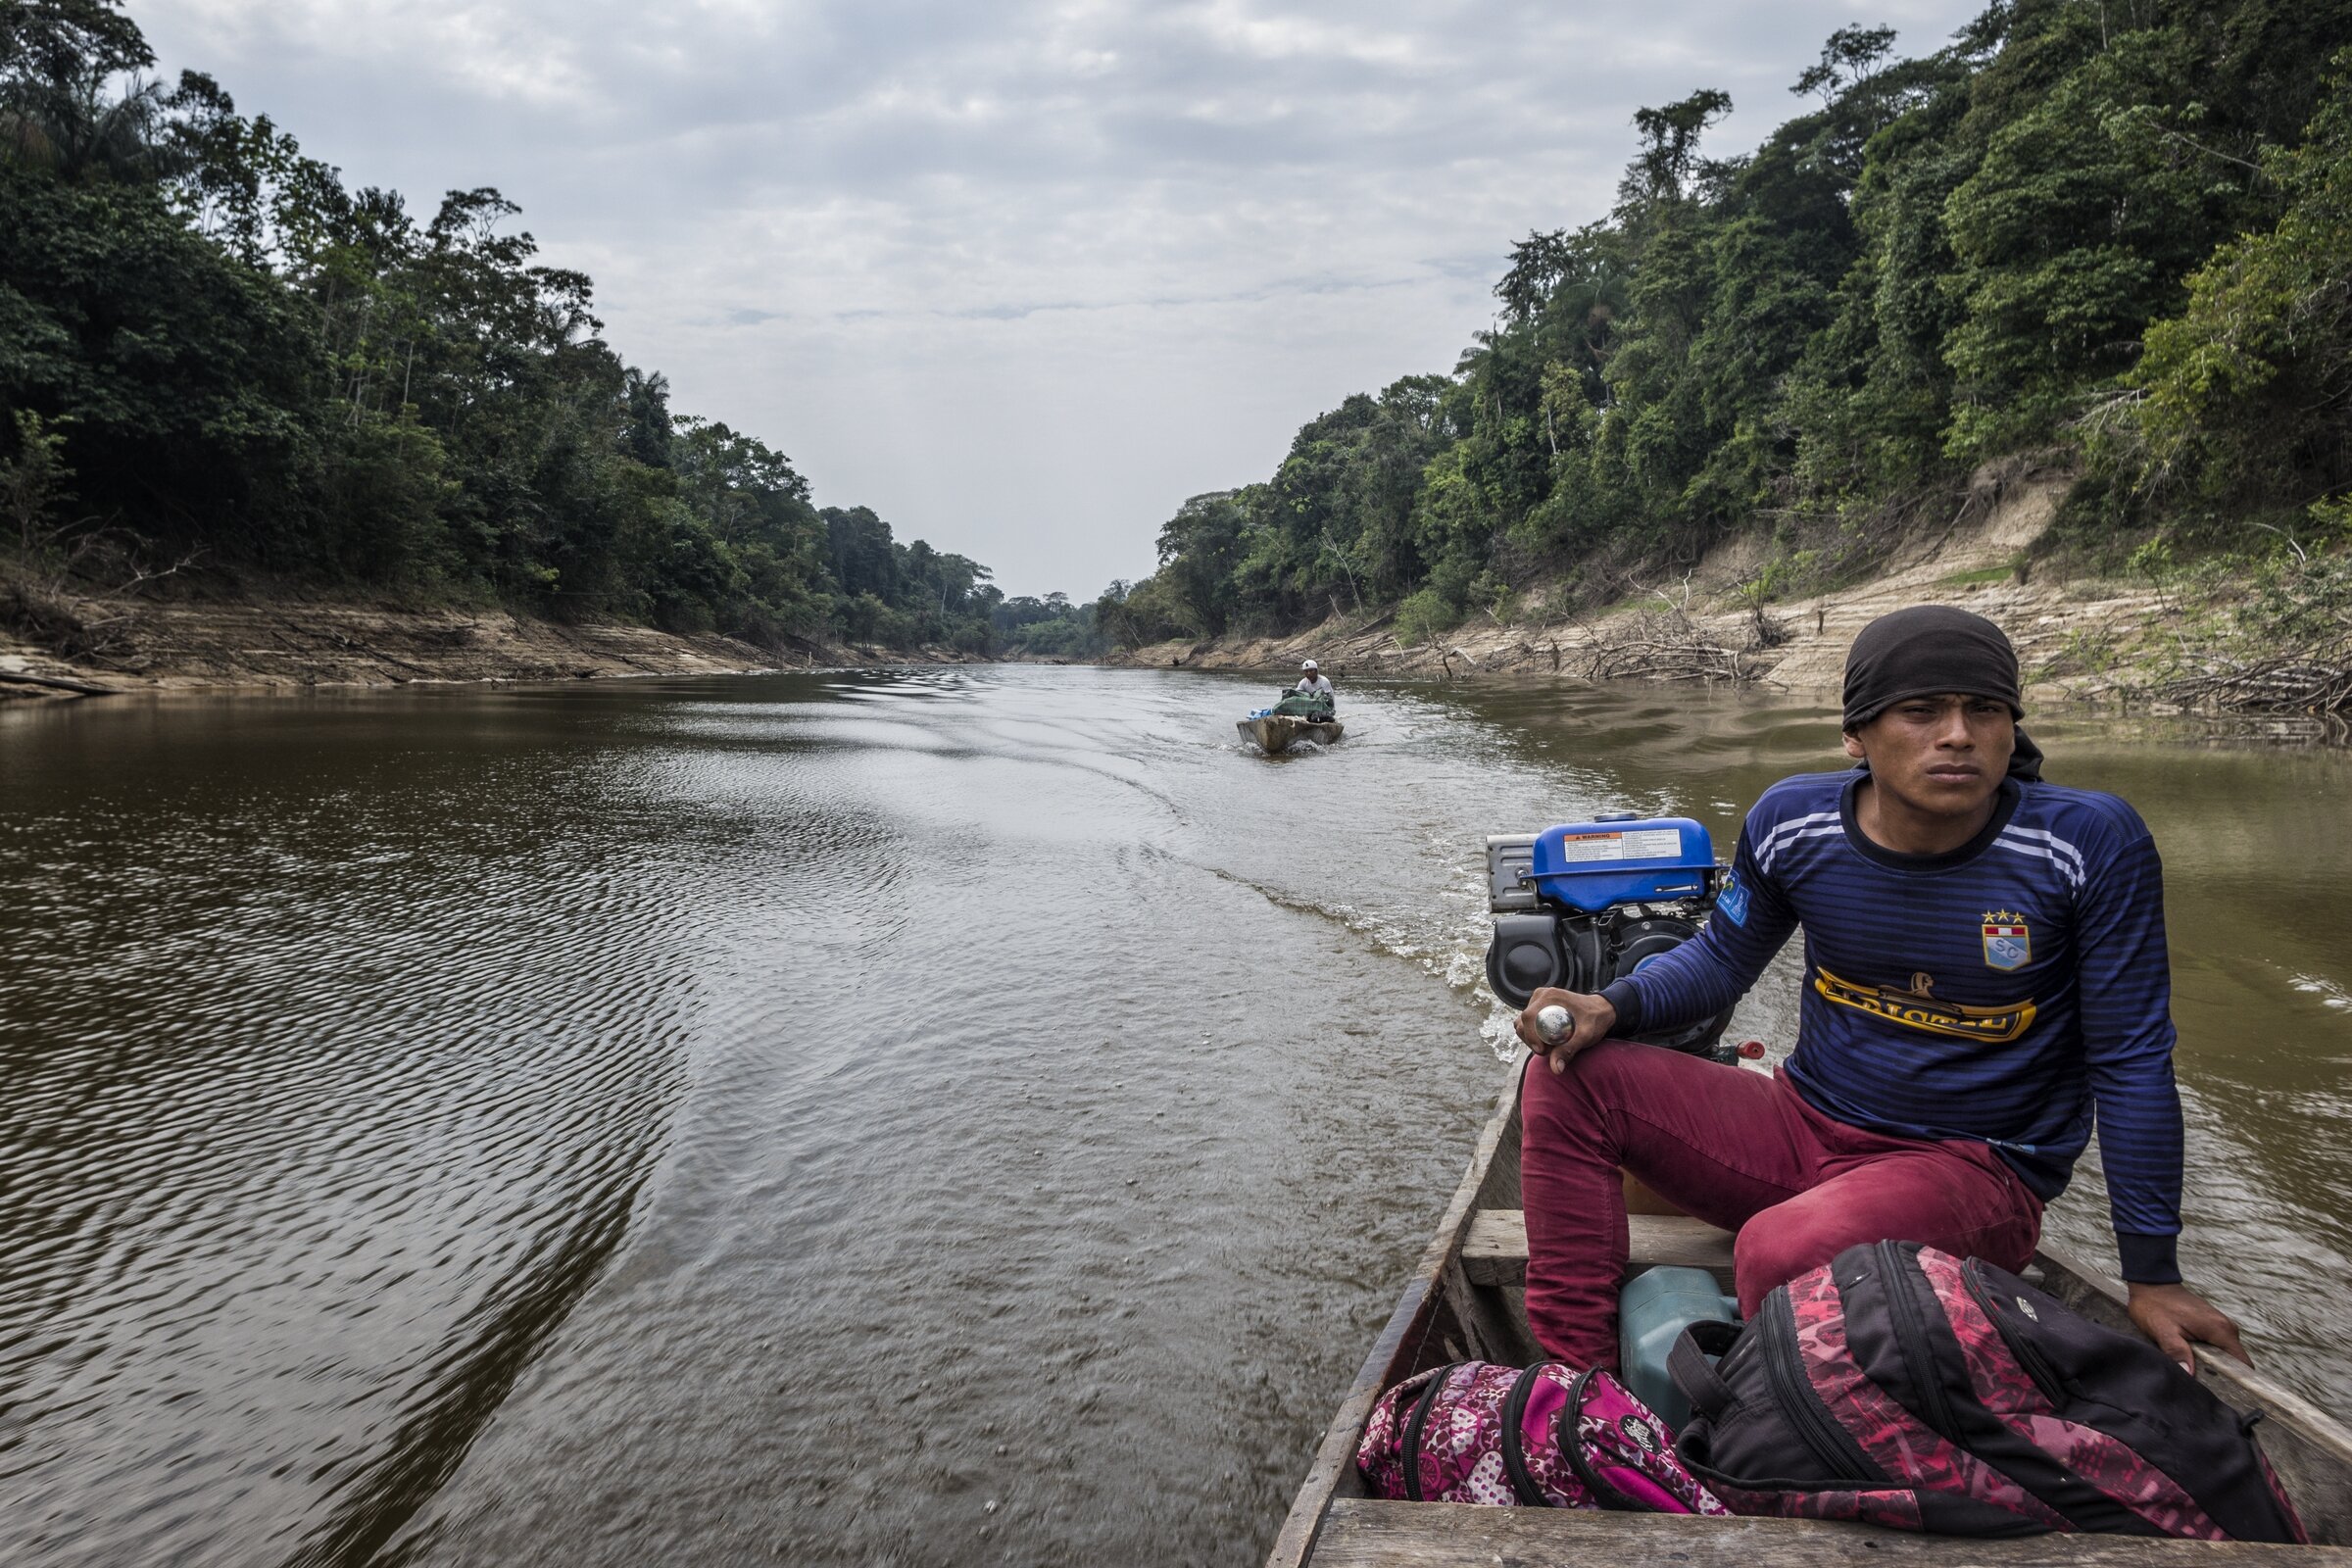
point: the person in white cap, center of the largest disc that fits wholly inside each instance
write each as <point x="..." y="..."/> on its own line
<point x="1313" y="680"/>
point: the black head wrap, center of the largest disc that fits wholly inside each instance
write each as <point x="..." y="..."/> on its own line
<point x="1927" y="651"/>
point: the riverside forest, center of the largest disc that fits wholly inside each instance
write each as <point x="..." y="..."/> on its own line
<point x="2110" y="236"/>
<point x="212" y="351"/>
<point x="465" y="1111"/>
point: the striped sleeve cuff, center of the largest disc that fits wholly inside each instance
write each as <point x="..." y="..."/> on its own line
<point x="2148" y="1260"/>
<point x="1621" y="995"/>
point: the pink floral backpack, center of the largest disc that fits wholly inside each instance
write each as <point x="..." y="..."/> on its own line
<point x="1546" y="1436"/>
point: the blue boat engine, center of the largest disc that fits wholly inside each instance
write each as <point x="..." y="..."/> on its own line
<point x="1586" y="902"/>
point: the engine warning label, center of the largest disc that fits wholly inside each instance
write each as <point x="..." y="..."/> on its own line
<point x="1643" y="844"/>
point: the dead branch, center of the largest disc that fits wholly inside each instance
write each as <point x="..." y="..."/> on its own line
<point x="1666" y="644"/>
<point x="80" y="688"/>
<point x="2306" y="681"/>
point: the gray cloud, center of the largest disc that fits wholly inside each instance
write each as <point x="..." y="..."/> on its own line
<point x="1023" y="276"/>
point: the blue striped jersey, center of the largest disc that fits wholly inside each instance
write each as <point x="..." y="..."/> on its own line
<point x="2010" y="992"/>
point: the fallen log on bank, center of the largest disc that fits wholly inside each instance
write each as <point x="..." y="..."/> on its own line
<point x="60" y="683"/>
<point x="1692" y="659"/>
<point x="2290" y="683"/>
<point x="1666" y="644"/>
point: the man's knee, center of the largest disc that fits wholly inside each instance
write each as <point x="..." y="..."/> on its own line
<point x="1774" y="1247"/>
<point x="1596" y="1077"/>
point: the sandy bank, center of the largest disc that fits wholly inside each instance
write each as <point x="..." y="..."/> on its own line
<point x="2079" y="639"/>
<point x="291" y="642"/>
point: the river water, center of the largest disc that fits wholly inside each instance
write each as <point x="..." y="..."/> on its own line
<point x="911" y="1117"/>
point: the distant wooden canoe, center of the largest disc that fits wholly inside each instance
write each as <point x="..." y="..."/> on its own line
<point x="1275" y="732"/>
<point x="1465" y="1302"/>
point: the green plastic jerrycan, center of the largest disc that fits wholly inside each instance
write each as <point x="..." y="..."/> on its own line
<point x="1654" y="1307"/>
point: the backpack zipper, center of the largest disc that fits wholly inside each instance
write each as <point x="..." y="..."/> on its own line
<point x="1514" y="1451"/>
<point x="1572" y="1448"/>
<point x="1911" y="1337"/>
<point x="1794" y="1394"/>
<point x="2029" y="1354"/>
<point x="1412" y="1431"/>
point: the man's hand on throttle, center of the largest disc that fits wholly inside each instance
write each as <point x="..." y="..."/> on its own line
<point x="2174" y="1314"/>
<point x="1591" y="1018"/>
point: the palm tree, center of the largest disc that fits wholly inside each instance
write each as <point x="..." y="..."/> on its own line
<point x="57" y="112"/>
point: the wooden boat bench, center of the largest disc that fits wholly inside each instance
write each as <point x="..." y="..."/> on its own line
<point x="1368" y="1532"/>
<point x="1495" y="1248"/>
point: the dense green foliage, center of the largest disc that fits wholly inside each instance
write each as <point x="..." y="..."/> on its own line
<point x="2115" y="233"/>
<point x="1050" y="627"/>
<point x="2249" y="388"/>
<point x="208" y="345"/>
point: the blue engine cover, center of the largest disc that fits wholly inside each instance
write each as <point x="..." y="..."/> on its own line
<point x="1591" y="866"/>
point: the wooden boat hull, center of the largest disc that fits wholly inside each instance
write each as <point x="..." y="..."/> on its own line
<point x="1465" y="1302"/>
<point x="1276" y="732"/>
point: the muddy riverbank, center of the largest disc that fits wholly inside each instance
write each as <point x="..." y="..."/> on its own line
<point x="2080" y="639"/>
<point x="286" y="642"/>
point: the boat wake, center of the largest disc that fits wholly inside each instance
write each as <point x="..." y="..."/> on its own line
<point x="2331" y="994"/>
<point x="1447" y="943"/>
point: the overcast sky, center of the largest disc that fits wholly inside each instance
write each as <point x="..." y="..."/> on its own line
<point x="1019" y="276"/>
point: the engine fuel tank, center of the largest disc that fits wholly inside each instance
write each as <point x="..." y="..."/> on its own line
<point x="1592" y="865"/>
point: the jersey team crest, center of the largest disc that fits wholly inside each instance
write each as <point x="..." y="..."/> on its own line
<point x="2007" y="943"/>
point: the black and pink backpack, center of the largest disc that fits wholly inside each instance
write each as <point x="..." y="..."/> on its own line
<point x="1545" y="1435"/>
<point x="1902" y="1387"/>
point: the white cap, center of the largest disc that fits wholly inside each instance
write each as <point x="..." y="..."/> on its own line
<point x="1309" y="664"/>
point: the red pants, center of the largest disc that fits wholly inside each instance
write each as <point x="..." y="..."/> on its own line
<point x="1742" y="1151"/>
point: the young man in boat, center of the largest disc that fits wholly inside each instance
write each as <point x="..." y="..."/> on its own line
<point x="1313" y="681"/>
<point x="1985" y="971"/>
